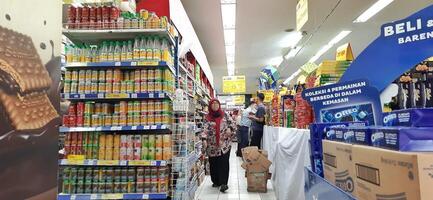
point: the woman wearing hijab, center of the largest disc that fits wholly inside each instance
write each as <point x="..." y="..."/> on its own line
<point x="219" y="134"/>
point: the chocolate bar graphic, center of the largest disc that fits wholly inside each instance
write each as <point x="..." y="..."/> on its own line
<point x="25" y="81"/>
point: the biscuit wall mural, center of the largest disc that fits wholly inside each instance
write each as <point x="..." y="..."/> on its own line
<point x="30" y="42"/>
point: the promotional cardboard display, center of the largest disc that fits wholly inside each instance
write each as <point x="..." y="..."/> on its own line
<point x="257" y="166"/>
<point x="337" y="165"/>
<point x="386" y="174"/>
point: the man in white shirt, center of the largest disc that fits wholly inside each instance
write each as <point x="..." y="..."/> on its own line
<point x="244" y="127"/>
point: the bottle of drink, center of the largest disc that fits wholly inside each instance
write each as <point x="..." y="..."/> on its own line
<point x="165" y="50"/>
<point x="156" y="49"/>
<point x="103" y="52"/>
<point x="69" y="50"/>
<point x="143" y="44"/>
<point x="136" y="53"/>
<point x="87" y="53"/>
<point x="149" y="48"/>
<point x="129" y="51"/>
<point x="82" y="53"/>
<point x="124" y="52"/>
<point x="117" y="51"/>
<point x="110" y="52"/>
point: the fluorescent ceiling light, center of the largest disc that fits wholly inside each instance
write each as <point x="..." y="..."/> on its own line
<point x="230" y="50"/>
<point x="276" y="61"/>
<point x="229" y="37"/>
<point x="330" y="44"/>
<point x="230" y="59"/>
<point x="293" y="52"/>
<point x="227" y="1"/>
<point x="291" y="40"/>
<point x="231" y="69"/>
<point x="292" y="76"/>
<point x="374" y="9"/>
<point x="228" y="12"/>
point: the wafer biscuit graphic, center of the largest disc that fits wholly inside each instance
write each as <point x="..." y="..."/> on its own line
<point x="19" y="59"/>
<point x="32" y="111"/>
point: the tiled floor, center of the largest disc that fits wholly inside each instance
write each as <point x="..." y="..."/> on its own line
<point x="237" y="185"/>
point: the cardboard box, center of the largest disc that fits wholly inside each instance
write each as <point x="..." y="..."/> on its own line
<point x="337" y="165"/>
<point x="390" y="175"/>
<point x="257" y="181"/>
<point x="255" y="160"/>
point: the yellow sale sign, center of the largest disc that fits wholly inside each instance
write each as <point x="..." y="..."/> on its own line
<point x="234" y="84"/>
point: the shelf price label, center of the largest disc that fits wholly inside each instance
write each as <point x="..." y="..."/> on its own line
<point x="139" y="162"/>
<point x="117" y="96"/>
<point x="148" y="63"/>
<point x="111" y="196"/>
<point x="145" y="196"/>
<point x="108" y="162"/>
<point x="94" y="196"/>
<point x="151" y="95"/>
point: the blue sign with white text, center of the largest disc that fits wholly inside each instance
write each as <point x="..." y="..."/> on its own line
<point x="352" y="101"/>
<point x="401" y="45"/>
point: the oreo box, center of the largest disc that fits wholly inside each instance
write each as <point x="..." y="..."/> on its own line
<point x="341" y="134"/>
<point x="353" y="113"/>
<point x="415" y="117"/>
<point x="403" y="138"/>
<point x="362" y="135"/>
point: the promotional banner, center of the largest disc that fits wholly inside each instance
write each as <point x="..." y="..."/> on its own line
<point x="401" y="45"/>
<point x="30" y="42"/>
<point x="352" y="101"/>
<point x="234" y="84"/>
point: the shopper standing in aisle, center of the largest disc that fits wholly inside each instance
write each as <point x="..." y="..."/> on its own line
<point x="244" y="127"/>
<point x="258" y="121"/>
<point x="219" y="134"/>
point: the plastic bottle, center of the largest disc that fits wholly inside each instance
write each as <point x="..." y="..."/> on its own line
<point x="129" y="51"/>
<point x="110" y="52"/>
<point x="149" y="48"/>
<point x="117" y="51"/>
<point x="82" y="53"/>
<point x="136" y="51"/>
<point x="123" y="56"/>
<point x="87" y="53"/>
<point x="165" y="50"/>
<point x="156" y="48"/>
<point x="143" y="44"/>
<point x="103" y="52"/>
<point x="69" y="50"/>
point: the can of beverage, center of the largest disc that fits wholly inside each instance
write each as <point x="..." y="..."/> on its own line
<point x="154" y="186"/>
<point x="108" y="120"/>
<point x="151" y="86"/>
<point x="136" y="107"/>
<point x="158" y="153"/>
<point x="166" y="139"/>
<point x="67" y="87"/>
<point x="80" y="174"/>
<point x="124" y="186"/>
<point x="158" y="74"/>
<point x="126" y="76"/>
<point x="147" y="186"/>
<point x="150" y="75"/>
<point x="81" y="88"/>
<point x="109" y="75"/>
<point x="123" y="86"/>
<point x="144" y="152"/>
<point x="80" y="187"/>
<point x="122" y="120"/>
<point x="150" y="106"/>
<point x="136" y="153"/>
<point x="151" y="153"/>
<point x="129" y="153"/>
<point x="158" y="86"/>
<point x="88" y="88"/>
<point x="109" y="87"/>
<point x="73" y="174"/>
<point x="136" y="119"/>
<point x="116" y="153"/>
<point x="129" y="87"/>
<point x="123" y="107"/>
<point x="95" y="76"/>
<point x="117" y="187"/>
<point x="140" y="187"/>
<point x="74" y="87"/>
<point x="130" y="107"/>
<point x="101" y="153"/>
<point x="158" y="140"/>
<point x="102" y="88"/>
<point x="116" y="141"/>
<point x="122" y="153"/>
<point x="109" y="153"/>
<point x="95" y="151"/>
<point x="94" y="88"/>
<point x="137" y="75"/>
<point x="157" y="105"/>
<point x="143" y="75"/>
<point x="117" y="75"/>
<point x="137" y="88"/>
<point x="66" y="186"/>
<point x="74" y="75"/>
<point x="116" y="87"/>
<point x="88" y="76"/>
<point x="131" y="174"/>
<point x="130" y="120"/>
<point x="117" y="173"/>
<point x="151" y="118"/>
<point x="95" y="186"/>
<point x="88" y="108"/>
<point x="143" y="87"/>
<point x="143" y="119"/>
<point x="102" y="140"/>
<point x="115" y="120"/>
<point x="101" y="75"/>
<point x="87" y="121"/>
<point x="68" y="75"/>
<point x="88" y="186"/>
<point x="101" y="187"/>
<point x="80" y="121"/>
<point x="165" y="118"/>
<point x="95" y="121"/>
<point x="109" y="140"/>
<point x="163" y="187"/>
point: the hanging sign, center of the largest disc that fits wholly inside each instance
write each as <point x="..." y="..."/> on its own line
<point x="352" y="101"/>
<point x="234" y="84"/>
<point x="269" y="94"/>
<point x="401" y="45"/>
<point x="301" y="14"/>
<point x="344" y="53"/>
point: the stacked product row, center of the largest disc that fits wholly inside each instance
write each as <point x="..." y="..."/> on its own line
<point x="117" y="81"/>
<point x="78" y="180"/>
<point x="124" y="113"/>
<point x="330" y="71"/>
<point x="110" y="17"/>
<point x="142" y="48"/>
<point x="105" y="146"/>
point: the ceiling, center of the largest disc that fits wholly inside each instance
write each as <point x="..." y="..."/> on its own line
<point x="261" y="25"/>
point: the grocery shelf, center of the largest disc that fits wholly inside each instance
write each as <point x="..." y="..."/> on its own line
<point x="94" y="36"/>
<point x="126" y="65"/>
<point x="147" y="95"/>
<point x="94" y="162"/>
<point x="64" y="129"/>
<point x="111" y="196"/>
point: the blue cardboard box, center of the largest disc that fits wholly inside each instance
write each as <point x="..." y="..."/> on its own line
<point x="415" y="117"/>
<point x="403" y="138"/>
<point x="362" y="135"/>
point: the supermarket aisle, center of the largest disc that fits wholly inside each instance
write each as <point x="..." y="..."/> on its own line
<point x="237" y="185"/>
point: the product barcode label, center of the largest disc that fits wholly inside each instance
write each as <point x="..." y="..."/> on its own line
<point x="145" y="196"/>
<point x="101" y="96"/>
<point x="151" y="95"/>
<point x="368" y="174"/>
<point x="134" y="95"/>
<point x="117" y="63"/>
<point x="330" y="160"/>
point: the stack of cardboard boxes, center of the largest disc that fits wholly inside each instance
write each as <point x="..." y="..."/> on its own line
<point x="257" y="166"/>
<point x="395" y="168"/>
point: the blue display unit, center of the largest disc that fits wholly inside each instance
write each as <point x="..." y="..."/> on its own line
<point x="318" y="188"/>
